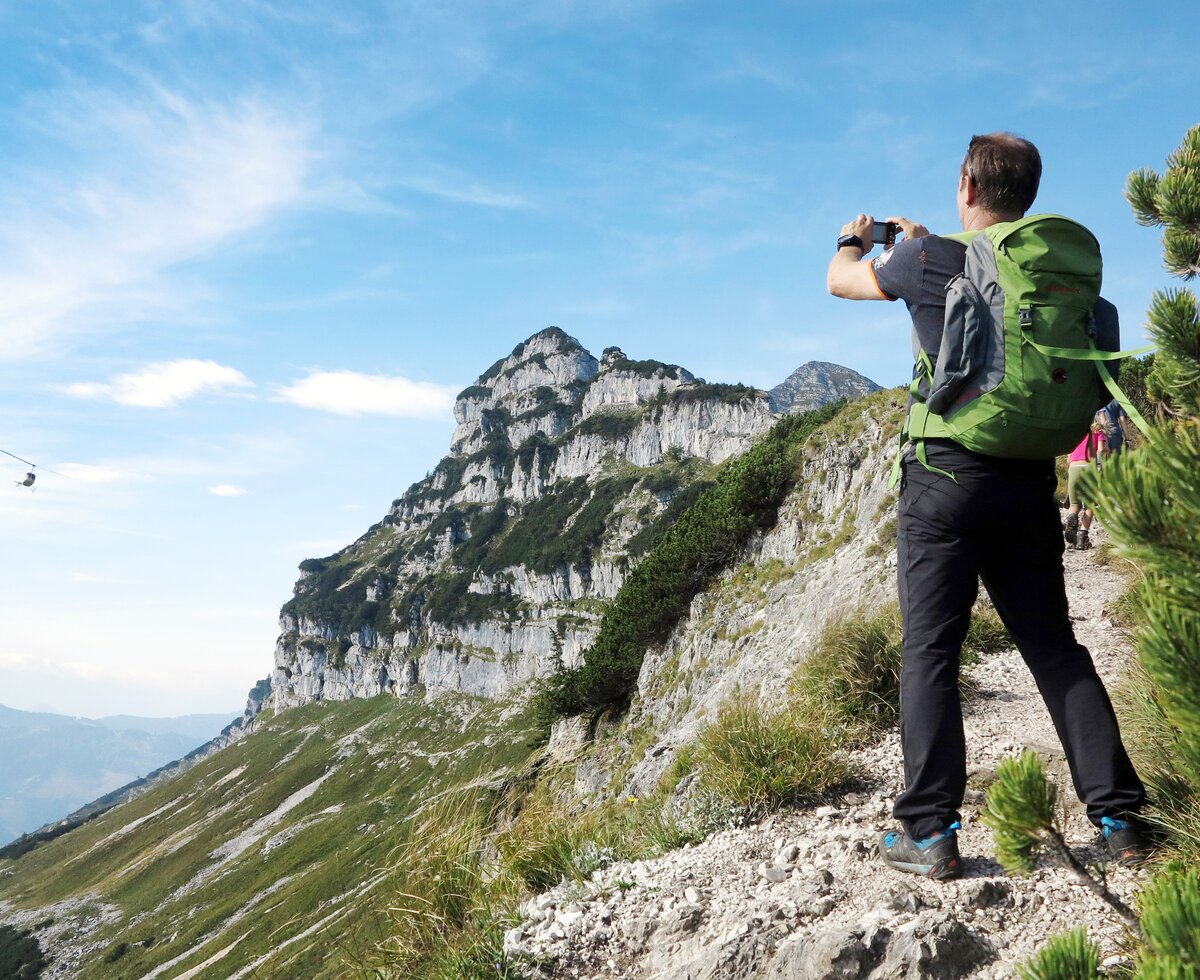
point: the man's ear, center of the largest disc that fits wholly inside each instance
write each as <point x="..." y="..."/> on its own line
<point x="969" y="190"/>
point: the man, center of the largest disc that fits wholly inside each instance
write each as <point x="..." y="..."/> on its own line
<point x="1116" y="425"/>
<point x="997" y="519"/>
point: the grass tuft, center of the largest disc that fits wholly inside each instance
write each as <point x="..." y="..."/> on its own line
<point x="760" y="758"/>
<point x="451" y="903"/>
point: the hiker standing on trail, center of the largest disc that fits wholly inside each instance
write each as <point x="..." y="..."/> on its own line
<point x="966" y="514"/>
<point x="1084" y="457"/>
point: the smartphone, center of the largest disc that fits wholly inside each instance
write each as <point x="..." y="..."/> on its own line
<point x="884" y="233"/>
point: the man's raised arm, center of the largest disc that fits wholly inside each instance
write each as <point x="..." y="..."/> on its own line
<point x="849" y="277"/>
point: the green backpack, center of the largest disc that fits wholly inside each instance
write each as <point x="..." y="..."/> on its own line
<point x="1021" y="369"/>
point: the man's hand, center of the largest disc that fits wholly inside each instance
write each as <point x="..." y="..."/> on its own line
<point x="849" y="276"/>
<point x="910" y="228"/>
<point x="862" y="227"/>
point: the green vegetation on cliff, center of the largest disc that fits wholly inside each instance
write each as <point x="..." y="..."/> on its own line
<point x="744" y="498"/>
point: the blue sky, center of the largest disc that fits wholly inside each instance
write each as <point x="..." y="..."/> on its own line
<point x="251" y="249"/>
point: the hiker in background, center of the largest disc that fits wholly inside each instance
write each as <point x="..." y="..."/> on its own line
<point x="1116" y="426"/>
<point x="1085" y="456"/>
<point x="965" y="515"/>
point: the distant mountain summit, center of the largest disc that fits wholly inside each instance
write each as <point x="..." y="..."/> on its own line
<point x="815" y="384"/>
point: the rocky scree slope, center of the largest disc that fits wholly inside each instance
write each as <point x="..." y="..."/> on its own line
<point x="563" y="470"/>
<point x="803" y="894"/>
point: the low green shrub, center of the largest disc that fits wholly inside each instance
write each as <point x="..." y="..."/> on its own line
<point x="1023" y="815"/>
<point x="563" y="527"/>
<point x="450" y="601"/>
<point x="1022" y="807"/>
<point x="114" y="954"/>
<point x="20" y="955"/>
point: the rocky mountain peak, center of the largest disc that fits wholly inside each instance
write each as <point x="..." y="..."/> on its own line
<point x="550" y="368"/>
<point x="818" y="383"/>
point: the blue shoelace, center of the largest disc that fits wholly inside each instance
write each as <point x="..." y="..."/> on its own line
<point x="1109" y="825"/>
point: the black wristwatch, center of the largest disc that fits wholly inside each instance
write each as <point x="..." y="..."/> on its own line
<point x="845" y="240"/>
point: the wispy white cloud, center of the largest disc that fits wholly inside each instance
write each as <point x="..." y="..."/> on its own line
<point x="464" y="190"/>
<point x="91" y="473"/>
<point x="164" y="384"/>
<point x="352" y="393"/>
<point x="131" y="187"/>
<point x="227" y="490"/>
<point x="698" y="251"/>
<point x="758" y="69"/>
<point x="89" y="670"/>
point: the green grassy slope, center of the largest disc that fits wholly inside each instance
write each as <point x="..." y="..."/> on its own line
<point x="271" y="857"/>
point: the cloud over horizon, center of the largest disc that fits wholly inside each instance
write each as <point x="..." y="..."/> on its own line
<point x="353" y="393"/>
<point x="163" y="385"/>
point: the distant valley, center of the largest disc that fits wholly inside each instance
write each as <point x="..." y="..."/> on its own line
<point x="51" y="764"/>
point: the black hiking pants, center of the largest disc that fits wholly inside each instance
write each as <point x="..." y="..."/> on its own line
<point x="998" y="522"/>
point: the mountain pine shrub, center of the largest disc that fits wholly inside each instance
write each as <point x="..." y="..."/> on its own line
<point x="744" y="498"/>
<point x="20" y="955"/>
<point x="1021" y="811"/>
<point x="1170" y="918"/>
<point x="1024" y="816"/>
<point x="1150" y="501"/>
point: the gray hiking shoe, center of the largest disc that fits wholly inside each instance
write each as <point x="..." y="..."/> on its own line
<point x="1082" y="541"/>
<point x="934" y="857"/>
<point x="1071" y="527"/>
<point x="1129" y="841"/>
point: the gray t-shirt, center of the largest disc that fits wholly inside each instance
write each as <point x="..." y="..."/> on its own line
<point x="917" y="270"/>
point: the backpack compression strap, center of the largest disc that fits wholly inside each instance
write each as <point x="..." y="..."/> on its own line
<point x="919" y="423"/>
<point x="1099" y="357"/>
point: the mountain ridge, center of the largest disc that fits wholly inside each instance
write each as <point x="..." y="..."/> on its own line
<point x="817" y="383"/>
<point x="442" y="613"/>
<point x="297" y="805"/>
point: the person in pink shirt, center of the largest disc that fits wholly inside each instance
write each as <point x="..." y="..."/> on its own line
<point x="1086" y="455"/>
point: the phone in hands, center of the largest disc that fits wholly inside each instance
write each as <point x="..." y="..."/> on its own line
<point x="884" y="233"/>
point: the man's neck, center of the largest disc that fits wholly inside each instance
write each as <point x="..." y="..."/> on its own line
<point x="976" y="219"/>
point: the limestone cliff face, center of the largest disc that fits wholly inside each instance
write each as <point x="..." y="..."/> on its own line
<point x="493" y="570"/>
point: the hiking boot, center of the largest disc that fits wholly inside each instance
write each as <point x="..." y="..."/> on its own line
<point x="1071" y="528"/>
<point x="934" y="857"/>
<point x="1082" y="541"/>
<point x="1128" y="840"/>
